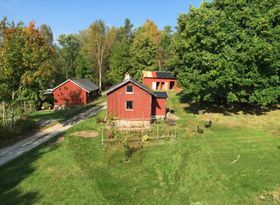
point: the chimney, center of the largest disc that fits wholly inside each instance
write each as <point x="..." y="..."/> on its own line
<point x="126" y="76"/>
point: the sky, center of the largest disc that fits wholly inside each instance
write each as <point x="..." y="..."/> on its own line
<point x="69" y="16"/>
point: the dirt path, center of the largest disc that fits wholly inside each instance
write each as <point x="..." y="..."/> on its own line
<point x="11" y="152"/>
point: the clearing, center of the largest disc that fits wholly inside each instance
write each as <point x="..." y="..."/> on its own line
<point x="235" y="161"/>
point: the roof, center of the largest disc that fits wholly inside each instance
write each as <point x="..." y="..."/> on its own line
<point x="158" y="74"/>
<point x="144" y="87"/>
<point x="85" y="84"/>
<point x="161" y="94"/>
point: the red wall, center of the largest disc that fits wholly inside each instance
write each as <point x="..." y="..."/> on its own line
<point x="142" y="103"/>
<point x="149" y="82"/>
<point x="159" y="106"/>
<point x="69" y="94"/>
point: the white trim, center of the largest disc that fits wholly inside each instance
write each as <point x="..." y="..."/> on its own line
<point x="129" y="92"/>
<point x="126" y="105"/>
<point x="72" y="82"/>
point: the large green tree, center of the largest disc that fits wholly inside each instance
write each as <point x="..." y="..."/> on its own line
<point x="229" y="51"/>
<point x="68" y="53"/>
<point x="145" y="48"/>
<point x="120" y="56"/>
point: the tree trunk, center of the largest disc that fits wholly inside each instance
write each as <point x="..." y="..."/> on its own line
<point x="100" y="77"/>
<point x="4" y="114"/>
<point x="12" y="111"/>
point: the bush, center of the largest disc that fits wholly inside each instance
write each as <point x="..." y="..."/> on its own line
<point x="21" y="127"/>
<point x="24" y="125"/>
<point x="46" y="105"/>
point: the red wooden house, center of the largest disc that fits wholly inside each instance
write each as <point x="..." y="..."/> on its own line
<point x="160" y="80"/>
<point x="74" y="92"/>
<point x="131" y="101"/>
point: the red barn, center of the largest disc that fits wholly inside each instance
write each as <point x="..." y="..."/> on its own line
<point x="74" y="92"/>
<point x="131" y="101"/>
<point x="159" y="80"/>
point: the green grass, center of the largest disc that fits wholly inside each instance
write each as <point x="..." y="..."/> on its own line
<point x="193" y="169"/>
<point x="61" y="115"/>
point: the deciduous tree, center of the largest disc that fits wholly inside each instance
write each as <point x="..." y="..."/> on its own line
<point x="229" y="51"/>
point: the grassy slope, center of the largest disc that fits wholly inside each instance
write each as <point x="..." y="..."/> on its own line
<point x="194" y="169"/>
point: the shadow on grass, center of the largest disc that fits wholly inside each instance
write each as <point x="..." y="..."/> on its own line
<point x="223" y="108"/>
<point x="15" y="171"/>
<point x="65" y="114"/>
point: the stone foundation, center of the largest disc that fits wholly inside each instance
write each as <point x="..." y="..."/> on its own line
<point x="131" y="124"/>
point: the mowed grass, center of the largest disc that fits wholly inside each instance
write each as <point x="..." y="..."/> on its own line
<point x="193" y="169"/>
<point x="61" y="115"/>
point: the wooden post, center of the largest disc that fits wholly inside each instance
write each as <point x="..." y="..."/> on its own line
<point x="157" y="128"/>
<point x="102" y="136"/>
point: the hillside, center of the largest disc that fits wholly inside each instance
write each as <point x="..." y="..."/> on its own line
<point x="235" y="161"/>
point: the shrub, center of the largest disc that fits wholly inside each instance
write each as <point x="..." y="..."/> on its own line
<point x="21" y="127"/>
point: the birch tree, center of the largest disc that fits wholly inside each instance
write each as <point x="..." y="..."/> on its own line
<point x="101" y="39"/>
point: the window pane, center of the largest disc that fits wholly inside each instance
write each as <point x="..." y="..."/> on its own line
<point x="129" y="89"/>
<point x="129" y="105"/>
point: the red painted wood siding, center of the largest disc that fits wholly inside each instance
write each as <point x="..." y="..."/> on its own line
<point x="69" y="94"/>
<point x="142" y="103"/>
<point x="149" y="82"/>
<point x="159" y="107"/>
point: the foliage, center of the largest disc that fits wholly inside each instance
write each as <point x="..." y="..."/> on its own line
<point x="26" y="64"/>
<point x="68" y="53"/>
<point x="228" y="52"/>
<point x="22" y="126"/>
<point x="101" y="40"/>
<point x="47" y="33"/>
<point x="119" y="61"/>
<point x="144" y="48"/>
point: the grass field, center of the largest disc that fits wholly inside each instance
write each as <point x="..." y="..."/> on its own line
<point x="236" y="161"/>
<point x="65" y="114"/>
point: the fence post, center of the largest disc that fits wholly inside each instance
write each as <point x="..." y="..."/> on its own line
<point x="102" y="137"/>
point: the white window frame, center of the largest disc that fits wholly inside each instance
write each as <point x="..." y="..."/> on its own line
<point x="126" y="105"/>
<point x="127" y="91"/>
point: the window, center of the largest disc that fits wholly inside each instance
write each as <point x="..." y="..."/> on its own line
<point x="129" y="105"/>
<point x="171" y="85"/>
<point x="129" y="89"/>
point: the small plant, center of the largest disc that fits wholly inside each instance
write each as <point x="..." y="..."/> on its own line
<point x="145" y="138"/>
<point x="100" y="120"/>
<point x="46" y="106"/>
<point x="127" y="151"/>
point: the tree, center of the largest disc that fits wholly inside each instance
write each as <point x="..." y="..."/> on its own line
<point x="101" y="39"/>
<point x="47" y="33"/>
<point x="145" y="48"/>
<point x="68" y="53"/>
<point x="229" y="52"/>
<point x="25" y="64"/>
<point x="120" y="57"/>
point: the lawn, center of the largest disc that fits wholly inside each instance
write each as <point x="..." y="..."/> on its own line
<point x="236" y="161"/>
<point x="61" y="115"/>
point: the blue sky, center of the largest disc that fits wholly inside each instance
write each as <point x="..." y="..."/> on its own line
<point x="66" y="16"/>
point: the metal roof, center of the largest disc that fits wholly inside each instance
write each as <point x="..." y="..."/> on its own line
<point x="144" y="87"/>
<point x="161" y="94"/>
<point x="85" y="84"/>
<point x="158" y="74"/>
<point x="161" y="74"/>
